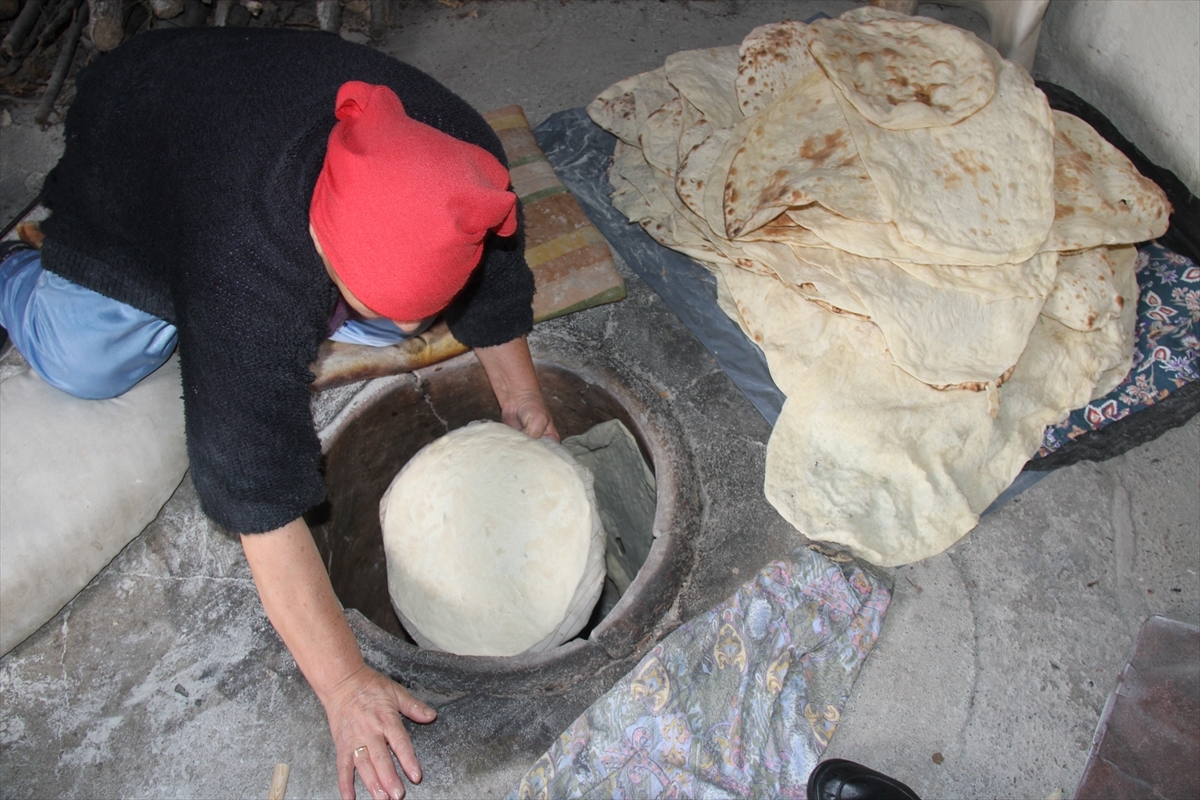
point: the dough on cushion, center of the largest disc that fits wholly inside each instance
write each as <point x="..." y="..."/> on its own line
<point x="490" y="539"/>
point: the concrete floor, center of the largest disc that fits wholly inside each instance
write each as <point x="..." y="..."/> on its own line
<point x="164" y="679"/>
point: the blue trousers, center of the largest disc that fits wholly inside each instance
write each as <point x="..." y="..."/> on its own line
<point x="94" y="347"/>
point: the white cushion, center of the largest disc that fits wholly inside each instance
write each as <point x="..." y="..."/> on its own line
<point x="79" y="479"/>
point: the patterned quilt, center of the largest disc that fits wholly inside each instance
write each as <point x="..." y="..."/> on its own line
<point x="1167" y="354"/>
<point x="739" y="702"/>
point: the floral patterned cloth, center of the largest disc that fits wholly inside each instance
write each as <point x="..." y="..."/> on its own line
<point x="739" y="702"/>
<point x="1167" y="353"/>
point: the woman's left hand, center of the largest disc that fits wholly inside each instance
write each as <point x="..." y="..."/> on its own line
<point x="509" y="368"/>
<point x="529" y="415"/>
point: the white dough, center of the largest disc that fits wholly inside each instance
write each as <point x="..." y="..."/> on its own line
<point x="494" y="545"/>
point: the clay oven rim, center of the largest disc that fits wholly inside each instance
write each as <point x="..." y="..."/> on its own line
<point x="634" y="622"/>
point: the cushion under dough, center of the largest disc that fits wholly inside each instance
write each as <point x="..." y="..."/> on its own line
<point x="79" y="479"/>
<point x="494" y="545"/>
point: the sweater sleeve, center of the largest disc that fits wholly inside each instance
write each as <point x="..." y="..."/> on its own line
<point x="245" y="347"/>
<point x="496" y="306"/>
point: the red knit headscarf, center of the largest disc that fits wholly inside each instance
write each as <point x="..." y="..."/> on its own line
<point x="401" y="209"/>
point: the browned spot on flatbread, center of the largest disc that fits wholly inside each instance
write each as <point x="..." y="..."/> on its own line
<point x="969" y="163"/>
<point x="818" y="151"/>
<point x="975" y="386"/>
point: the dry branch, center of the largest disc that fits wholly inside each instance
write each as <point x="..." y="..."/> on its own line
<point x="54" y="27"/>
<point x="21" y="27"/>
<point x="65" y="56"/>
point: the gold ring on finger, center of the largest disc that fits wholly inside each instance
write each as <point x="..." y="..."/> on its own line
<point x="360" y="751"/>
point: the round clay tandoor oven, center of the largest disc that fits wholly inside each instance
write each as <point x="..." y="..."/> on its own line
<point x="390" y="419"/>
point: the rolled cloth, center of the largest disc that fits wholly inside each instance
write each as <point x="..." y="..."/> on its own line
<point x="402" y="209"/>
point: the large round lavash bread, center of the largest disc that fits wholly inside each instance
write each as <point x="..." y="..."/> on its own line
<point x="865" y="455"/>
<point x="1099" y="196"/>
<point x="903" y="72"/>
<point x="494" y="545"/>
<point x="697" y="165"/>
<point x="798" y="152"/>
<point x="660" y="136"/>
<point x="941" y="336"/>
<point x="771" y="58"/>
<point x="981" y="190"/>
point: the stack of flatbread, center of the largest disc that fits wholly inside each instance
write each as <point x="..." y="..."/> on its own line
<point x="936" y="265"/>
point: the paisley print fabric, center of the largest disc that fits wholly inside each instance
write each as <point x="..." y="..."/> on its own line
<point x="1167" y="354"/>
<point x="739" y="702"/>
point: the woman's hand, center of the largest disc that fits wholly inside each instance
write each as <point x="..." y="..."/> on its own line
<point x="529" y="415"/>
<point x="363" y="707"/>
<point x="364" y="719"/>
<point x="509" y="368"/>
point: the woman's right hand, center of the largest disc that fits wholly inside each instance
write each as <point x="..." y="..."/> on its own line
<point x="364" y="713"/>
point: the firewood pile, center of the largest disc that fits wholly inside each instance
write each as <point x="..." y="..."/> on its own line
<point x="44" y="42"/>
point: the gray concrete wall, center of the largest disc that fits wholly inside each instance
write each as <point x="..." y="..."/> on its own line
<point x="1138" y="61"/>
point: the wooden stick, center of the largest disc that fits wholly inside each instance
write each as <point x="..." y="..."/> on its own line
<point x="20" y="27"/>
<point x="279" y="780"/>
<point x="61" y="67"/>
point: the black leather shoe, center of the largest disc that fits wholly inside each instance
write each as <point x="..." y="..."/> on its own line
<point x="838" y="779"/>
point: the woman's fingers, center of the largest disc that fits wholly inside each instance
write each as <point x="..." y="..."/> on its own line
<point x="397" y="737"/>
<point x="413" y="708"/>
<point x="401" y="745"/>
<point x="345" y="770"/>
<point x="367" y="723"/>
<point x="374" y="765"/>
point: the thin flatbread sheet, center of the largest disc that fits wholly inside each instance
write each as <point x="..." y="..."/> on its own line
<point x="877" y="239"/>
<point x="810" y="280"/>
<point x="1099" y="196"/>
<point x="866" y="456"/>
<point x="903" y="72"/>
<point x="771" y="58"/>
<point x="622" y="109"/>
<point x="697" y="166"/>
<point x="1086" y="294"/>
<point x="799" y="151"/>
<point x="978" y="192"/>
<point x="712" y="201"/>
<point x="660" y="136"/>
<point x="940" y="336"/>
<point x="705" y="79"/>
<point x="1032" y="278"/>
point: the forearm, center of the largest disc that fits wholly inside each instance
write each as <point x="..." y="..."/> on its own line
<point x="299" y="600"/>
<point x="509" y="368"/>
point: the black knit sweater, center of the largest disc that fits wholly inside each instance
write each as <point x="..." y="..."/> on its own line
<point x="190" y="161"/>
